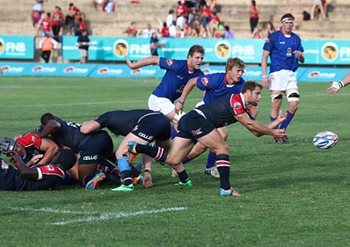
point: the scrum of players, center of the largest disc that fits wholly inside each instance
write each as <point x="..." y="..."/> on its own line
<point x="60" y="152"/>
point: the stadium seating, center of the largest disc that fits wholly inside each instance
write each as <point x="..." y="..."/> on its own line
<point x="16" y="20"/>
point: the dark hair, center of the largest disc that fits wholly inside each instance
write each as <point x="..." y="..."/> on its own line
<point x="250" y="85"/>
<point x="195" y="48"/>
<point x="288" y="16"/>
<point x="46" y="117"/>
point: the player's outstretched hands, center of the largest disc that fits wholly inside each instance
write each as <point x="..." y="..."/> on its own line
<point x="35" y="159"/>
<point x="278" y="133"/>
<point x="335" y="87"/>
<point x="129" y="63"/>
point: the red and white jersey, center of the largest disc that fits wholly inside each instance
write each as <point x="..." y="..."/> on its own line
<point x="49" y="170"/>
<point x="46" y="25"/>
<point x="29" y="139"/>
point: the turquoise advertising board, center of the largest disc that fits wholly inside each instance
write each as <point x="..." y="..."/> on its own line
<point x="16" y="47"/>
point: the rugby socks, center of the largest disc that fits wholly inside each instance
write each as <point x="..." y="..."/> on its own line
<point x="286" y="122"/>
<point x="183" y="177"/>
<point x="124" y="170"/>
<point x="223" y="165"/>
<point x="157" y="153"/>
<point x="211" y="160"/>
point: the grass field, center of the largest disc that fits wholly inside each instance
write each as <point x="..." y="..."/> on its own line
<point x="292" y="195"/>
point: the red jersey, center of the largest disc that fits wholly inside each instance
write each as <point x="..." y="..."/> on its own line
<point x="46" y="25"/>
<point x="29" y="139"/>
<point x="57" y="18"/>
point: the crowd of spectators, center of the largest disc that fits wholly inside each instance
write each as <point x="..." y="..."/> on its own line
<point x="191" y="18"/>
<point x="56" y="23"/>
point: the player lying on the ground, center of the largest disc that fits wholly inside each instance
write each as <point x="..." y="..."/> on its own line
<point x="21" y="177"/>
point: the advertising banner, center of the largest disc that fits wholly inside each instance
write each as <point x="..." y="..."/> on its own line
<point x="16" y="47"/>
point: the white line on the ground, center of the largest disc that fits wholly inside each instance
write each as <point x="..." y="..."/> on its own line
<point x="100" y="217"/>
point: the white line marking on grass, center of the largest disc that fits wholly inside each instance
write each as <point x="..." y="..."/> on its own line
<point x="100" y="217"/>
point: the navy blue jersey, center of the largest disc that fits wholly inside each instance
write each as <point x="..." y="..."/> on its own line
<point x="222" y="111"/>
<point x="70" y="136"/>
<point x="121" y="122"/>
<point x="50" y="177"/>
<point x="174" y="79"/>
<point x="215" y="86"/>
<point x="7" y="176"/>
<point x="281" y="48"/>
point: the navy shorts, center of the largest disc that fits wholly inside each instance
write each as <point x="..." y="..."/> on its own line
<point x="193" y="125"/>
<point x="153" y="126"/>
<point x="99" y="146"/>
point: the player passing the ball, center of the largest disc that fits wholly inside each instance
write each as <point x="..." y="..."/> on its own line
<point x="200" y="125"/>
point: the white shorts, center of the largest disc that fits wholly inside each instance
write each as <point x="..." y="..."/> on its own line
<point x="163" y="105"/>
<point x="83" y="52"/>
<point x="283" y="80"/>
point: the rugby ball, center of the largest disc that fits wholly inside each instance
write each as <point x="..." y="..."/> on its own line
<point x="325" y="140"/>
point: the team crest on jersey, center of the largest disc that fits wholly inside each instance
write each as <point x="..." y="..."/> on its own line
<point x="169" y="62"/>
<point x="204" y="81"/>
<point x="237" y="105"/>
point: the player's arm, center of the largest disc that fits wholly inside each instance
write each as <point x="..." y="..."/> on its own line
<point x="31" y="173"/>
<point x="51" y="127"/>
<point x="257" y="128"/>
<point x="143" y="62"/>
<point x="337" y="85"/>
<point x="265" y="77"/>
<point x="300" y="56"/>
<point x="90" y="127"/>
<point x="50" y="149"/>
<point x="186" y="91"/>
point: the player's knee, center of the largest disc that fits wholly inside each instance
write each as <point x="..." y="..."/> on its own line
<point x="276" y="96"/>
<point x="293" y="95"/>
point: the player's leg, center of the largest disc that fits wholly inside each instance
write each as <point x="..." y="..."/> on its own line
<point x="217" y="144"/>
<point x="123" y="162"/>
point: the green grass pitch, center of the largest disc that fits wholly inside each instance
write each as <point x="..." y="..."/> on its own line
<point x="292" y="195"/>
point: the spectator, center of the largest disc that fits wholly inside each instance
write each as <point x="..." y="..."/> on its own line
<point x="83" y="44"/>
<point x="47" y="45"/>
<point x="45" y="25"/>
<point x="109" y="6"/>
<point x="306" y="15"/>
<point x="57" y="21"/>
<point x="317" y="4"/>
<point x="147" y="32"/>
<point x="170" y="18"/>
<point x="269" y="28"/>
<point x="97" y="3"/>
<point x="164" y="31"/>
<point x="181" y="8"/>
<point x="253" y="16"/>
<point x="228" y="34"/>
<point x="257" y="34"/>
<point x="37" y="11"/>
<point x="131" y="30"/>
<point x="154" y="44"/>
<point x="172" y="30"/>
<point x="70" y="17"/>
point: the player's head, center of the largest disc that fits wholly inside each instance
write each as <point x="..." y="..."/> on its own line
<point x="195" y="57"/>
<point x="252" y="92"/>
<point x="66" y="159"/>
<point x="46" y="117"/>
<point x="287" y="22"/>
<point x="234" y="62"/>
<point x="7" y="146"/>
